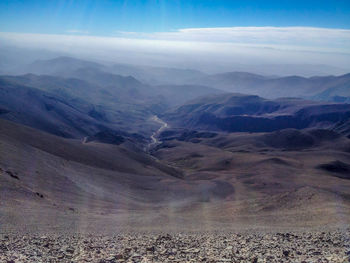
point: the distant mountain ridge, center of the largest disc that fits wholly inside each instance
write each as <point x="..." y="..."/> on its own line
<point x="275" y="87"/>
<point x="88" y="101"/>
<point x="64" y="66"/>
<point x="249" y="113"/>
<point x="101" y="102"/>
<point x="326" y="88"/>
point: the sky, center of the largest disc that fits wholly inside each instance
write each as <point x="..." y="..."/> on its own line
<point x="177" y="32"/>
<point x="105" y="17"/>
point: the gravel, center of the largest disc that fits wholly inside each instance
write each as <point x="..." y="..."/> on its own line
<point x="188" y="247"/>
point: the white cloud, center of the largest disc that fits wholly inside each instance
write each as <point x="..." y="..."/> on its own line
<point x="296" y="37"/>
<point x="213" y="49"/>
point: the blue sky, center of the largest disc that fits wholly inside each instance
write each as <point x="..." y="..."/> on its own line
<point x="105" y="17"/>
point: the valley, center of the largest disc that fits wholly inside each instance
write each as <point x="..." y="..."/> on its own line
<point x="91" y="152"/>
<point x="109" y="147"/>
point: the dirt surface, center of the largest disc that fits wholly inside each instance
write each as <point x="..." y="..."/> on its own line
<point x="196" y="247"/>
<point x="66" y="201"/>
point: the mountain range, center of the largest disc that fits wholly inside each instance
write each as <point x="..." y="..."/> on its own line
<point x="251" y="113"/>
<point x="134" y="146"/>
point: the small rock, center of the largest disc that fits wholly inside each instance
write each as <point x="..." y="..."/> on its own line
<point x="70" y="250"/>
<point x="286" y="253"/>
<point x="151" y="249"/>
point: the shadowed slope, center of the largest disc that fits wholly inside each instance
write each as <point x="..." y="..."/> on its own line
<point x="248" y="113"/>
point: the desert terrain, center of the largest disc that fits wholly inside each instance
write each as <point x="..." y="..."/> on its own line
<point x="99" y="167"/>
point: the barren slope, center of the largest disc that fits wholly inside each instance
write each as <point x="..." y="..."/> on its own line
<point x="223" y="181"/>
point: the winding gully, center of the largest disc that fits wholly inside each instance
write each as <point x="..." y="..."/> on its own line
<point x="154" y="139"/>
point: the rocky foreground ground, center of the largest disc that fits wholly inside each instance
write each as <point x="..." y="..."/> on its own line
<point x="211" y="247"/>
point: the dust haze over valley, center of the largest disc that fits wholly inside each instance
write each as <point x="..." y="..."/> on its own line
<point x="232" y="150"/>
<point x="210" y="144"/>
